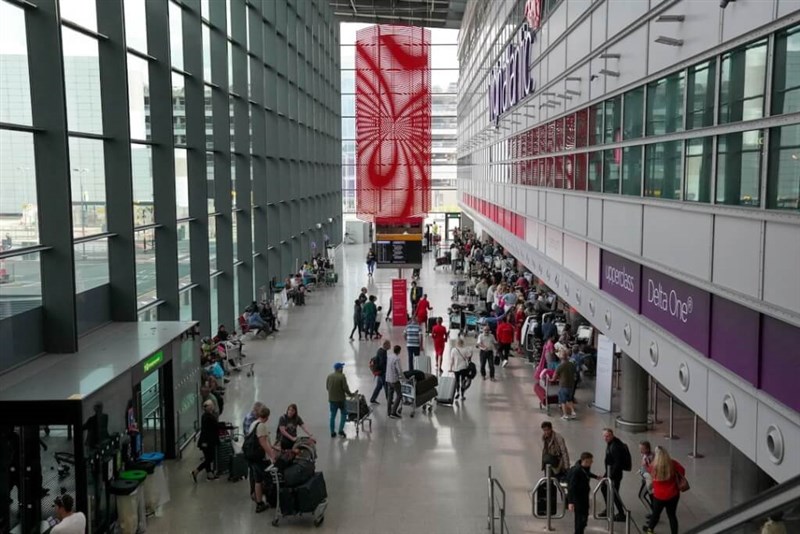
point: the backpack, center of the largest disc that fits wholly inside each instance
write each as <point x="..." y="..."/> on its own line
<point x="627" y="463"/>
<point x="251" y="448"/>
<point x="373" y="366"/>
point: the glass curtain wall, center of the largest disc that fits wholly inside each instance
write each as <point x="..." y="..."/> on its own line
<point x="444" y="88"/>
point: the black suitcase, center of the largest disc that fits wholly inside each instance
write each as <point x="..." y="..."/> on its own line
<point x="288" y="501"/>
<point x="426" y="384"/>
<point x="239" y="467"/>
<point x="541" y="499"/>
<point x="297" y="474"/>
<point x="309" y="495"/>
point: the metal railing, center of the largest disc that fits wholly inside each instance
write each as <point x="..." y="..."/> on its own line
<point x="549" y="482"/>
<point x="496" y="490"/>
<point x="610" y="499"/>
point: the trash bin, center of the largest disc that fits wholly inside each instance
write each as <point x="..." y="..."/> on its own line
<point x="156" y="488"/>
<point x="128" y="495"/>
<point x="139" y="476"/>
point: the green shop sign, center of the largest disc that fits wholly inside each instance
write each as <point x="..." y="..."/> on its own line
<point x="153" y="361"/>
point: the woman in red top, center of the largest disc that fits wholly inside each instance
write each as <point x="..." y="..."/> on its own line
<point x="519" y="320"/>
<point x="423" y="307"/>
<point x="439" y="335"/>
<point x="666" y="493"/>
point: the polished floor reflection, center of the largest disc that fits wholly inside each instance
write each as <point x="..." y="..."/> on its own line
<point x="426" y="474"/>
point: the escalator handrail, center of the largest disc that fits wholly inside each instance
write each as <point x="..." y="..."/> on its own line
<point x="759" y="506"/>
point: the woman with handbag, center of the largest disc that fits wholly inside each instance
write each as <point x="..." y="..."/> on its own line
<point x="669" y="480"/>
<point x="460" y="358"/>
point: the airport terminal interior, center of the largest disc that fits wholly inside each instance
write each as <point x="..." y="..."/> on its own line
<point x="230" y="229"/>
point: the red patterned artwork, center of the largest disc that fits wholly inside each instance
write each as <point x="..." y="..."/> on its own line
<point x="393" y="122"/>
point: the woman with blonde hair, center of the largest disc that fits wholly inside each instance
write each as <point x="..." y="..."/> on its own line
<point x="667" y="475"/>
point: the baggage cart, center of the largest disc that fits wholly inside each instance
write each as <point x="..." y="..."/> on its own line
<point x="295" y="508"/>
<point x="410" y="396"/>
<point x="358" y="412"/>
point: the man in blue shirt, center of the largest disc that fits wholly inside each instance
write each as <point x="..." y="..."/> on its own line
<point x="413" y="335"/>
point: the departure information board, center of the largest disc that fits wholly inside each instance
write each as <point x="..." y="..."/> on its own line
<point x="398" y="253"/>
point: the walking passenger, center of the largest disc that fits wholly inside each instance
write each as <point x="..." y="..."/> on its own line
<point x="666" y="473"/>
<point x="338" y="391"/>
<point x="394" y="391"/>
<point x="615" y="461"/>
<point x="423" y="307"/>
<point x="415" y="294"/>
<point x="369" y="312"/>
<point x="439" y="335"/>
<point x="413" y="335"/>
<point x="505" y="337"/>
<point x="260" y="462"/>
<point x="370" y="262"/>
<point x="460" y="358"/>
<point x="381" y="359"/>
<point x="487" y="345"/>
<point x="208" y="441"/>
<point x="566" y="376"/>
<point x="554" y="451"/>
<point x="357" y="320"/>
<point x="578" y="490"/>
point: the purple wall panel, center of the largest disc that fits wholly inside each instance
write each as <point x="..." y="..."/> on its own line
<point x="677" y="307"/>
<point x="621" y="279"/>
<point x="735" y="338"/>
<point x="780" y="360"/>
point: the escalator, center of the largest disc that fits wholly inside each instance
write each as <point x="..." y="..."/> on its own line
<point x="775" y="511"/>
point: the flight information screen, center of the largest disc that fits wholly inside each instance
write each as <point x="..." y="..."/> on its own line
<point x="398" y="253"/>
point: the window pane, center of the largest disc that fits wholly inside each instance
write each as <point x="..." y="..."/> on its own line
<point x="87" y="175"/>
<point x="142" y="165"/>
<point x="348" y="82"/>
<point x="634" y="113"/>
<point x="91" y="265"/>
<point x="742" y="83"/>
<point x="783" y="187"/>
<point x="444" y="81"/>
<point x="632" y="171"/>
<point x="80" y="12"/>
<point x="698" y="169"/>
<point x="739" y="168"/>
<point x="139" y="97"/>
<point x="700" y="103"/>
<point x="611" y="164"/>
<point x="595" y="170"/>
<point x="206" y="53"/>
<point x="145" y="266"/>
<point x="214" y="304"/>
<point x="184" y="255"/>
<point x="82" y="82"/>
<point x="176" y="35"/>
<point x="348" y="57"/>
<point x="596" y="125"/>
<point x="209" y="119"/>
<point x="786" y="94"/>
<point x="444" y="56"/>
<point x="179" y="109"/>
<point x="235" y="236"/>
<point x="665" y="105"/>
<point x="348" y="128"/>
<point x="212" y="244"/>
<point x="348" y="106"/>
<point x="22" y="287"/>
<point x="186" y="305"/>
<point x="181" y="184"/>
<point x="135" y="25"/>
<point x="613" y="114"/>
<point x="15" y="98"/>
<point x="210" y="180"/>
<point x="662" y="171"/>
<point x="233" y="182"/>
<point x="18" y="185"/>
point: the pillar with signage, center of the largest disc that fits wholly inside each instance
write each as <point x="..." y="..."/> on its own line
<point x="399" y="302"/>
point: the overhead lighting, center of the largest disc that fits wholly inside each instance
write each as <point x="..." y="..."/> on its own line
<point x="573" y="78"/>
<point x="671" y="18"/>
<point x="549" y="93"/>
<point x="610" y="56"/>
<point x="565" y="97"/>
<point x="573" y="92"/>
<point x="669" y="41"/>
<point x="554" y="102"/>
<point x="612" y="73"/>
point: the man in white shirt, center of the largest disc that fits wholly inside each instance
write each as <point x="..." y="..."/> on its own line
<point x="393" y="373"/>
<point x="490" y="297"/>
<point x="70" y="522"/>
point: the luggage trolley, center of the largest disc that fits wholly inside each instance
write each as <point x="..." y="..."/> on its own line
<point x="358" y="414"/>
<point x="319" y="507"/>
<point x="545" y="393"/>
<point x="424" y="400"/>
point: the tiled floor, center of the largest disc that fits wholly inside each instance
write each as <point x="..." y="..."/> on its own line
<point x="426" y="474"/>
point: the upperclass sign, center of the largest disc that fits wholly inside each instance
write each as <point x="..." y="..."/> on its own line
<point x="510" y="80"/>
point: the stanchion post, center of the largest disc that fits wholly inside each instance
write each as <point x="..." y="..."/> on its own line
<point x="671" y="434"/>
<point x="490" y="513"/>
<point x="610" y="504"/>
<point x="694" y="453"/>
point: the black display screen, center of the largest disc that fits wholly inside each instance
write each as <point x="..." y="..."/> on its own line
<point x="397" y="253"/>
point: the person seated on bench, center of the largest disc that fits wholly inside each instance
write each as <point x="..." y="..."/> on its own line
<point x="255" y="322"/>
<point x="268" y="316"/>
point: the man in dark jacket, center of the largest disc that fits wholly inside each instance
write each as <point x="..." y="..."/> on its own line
<point x="380" y="379"/>
<point x="578" y="490"/>
<point x="615" y="463"/>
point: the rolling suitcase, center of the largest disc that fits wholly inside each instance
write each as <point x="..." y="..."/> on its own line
<point x="423" y="363"/>
<point x="446" y="390"/>
<point x="239" y="467"/>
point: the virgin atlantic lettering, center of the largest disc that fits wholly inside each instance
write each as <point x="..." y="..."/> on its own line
<point x="510" y="80"/>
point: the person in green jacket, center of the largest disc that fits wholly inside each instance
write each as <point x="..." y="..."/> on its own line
<point x="338" y="391"/>
<point x="369" y="312"/>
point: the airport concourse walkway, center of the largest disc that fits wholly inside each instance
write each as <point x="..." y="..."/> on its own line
<point x="426" y="474"/>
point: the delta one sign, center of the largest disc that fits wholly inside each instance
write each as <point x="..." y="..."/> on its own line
<point x="510" y="79"/>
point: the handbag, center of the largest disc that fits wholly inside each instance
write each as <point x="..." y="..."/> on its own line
<point x="683" y="484"/>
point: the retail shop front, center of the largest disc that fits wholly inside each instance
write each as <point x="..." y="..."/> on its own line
<point x="72" y="423"/>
